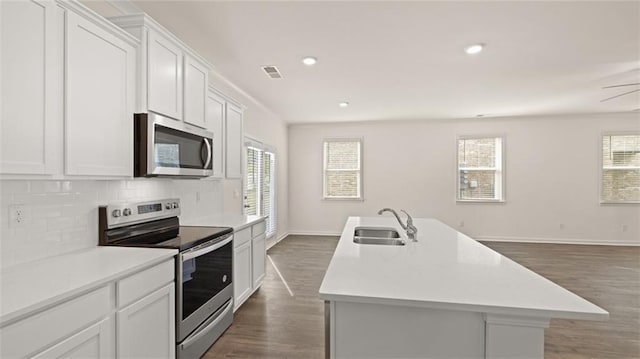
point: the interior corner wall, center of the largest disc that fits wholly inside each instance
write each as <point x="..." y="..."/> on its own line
<point x="552" y="174"/>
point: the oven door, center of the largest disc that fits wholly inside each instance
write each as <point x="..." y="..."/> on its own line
<point x="204" y="283"/>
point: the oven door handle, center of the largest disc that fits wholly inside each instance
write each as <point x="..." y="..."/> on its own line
<point x="197" y="253"/>
<point x="207" y="327"/>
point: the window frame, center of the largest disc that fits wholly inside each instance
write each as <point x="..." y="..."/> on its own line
<point x="360" y="140"/>
<point x="261" y="146"/>
<point x="501" y="170"/>
<point x="601" y="167"/>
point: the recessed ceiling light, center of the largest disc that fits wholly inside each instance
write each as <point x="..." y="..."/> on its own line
<point x="343" y="104"/>
<point x="474" y="49"/>
<point x="309" y="60"/>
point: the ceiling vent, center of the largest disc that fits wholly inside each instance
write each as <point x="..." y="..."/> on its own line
<point x="272" y="72"/>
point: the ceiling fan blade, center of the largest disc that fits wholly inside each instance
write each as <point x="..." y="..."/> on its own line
<point x="622" y="94"/>
<point x="633" y="84"/>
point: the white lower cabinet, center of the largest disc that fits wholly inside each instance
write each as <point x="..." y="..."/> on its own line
<point x="142" y="326"/>
<point x="136" y="320"/>
<point x="94" y="342"/>
<point x="259" y="256"/>
<point x="249" y="260"/>
<point x="242" y="273"/>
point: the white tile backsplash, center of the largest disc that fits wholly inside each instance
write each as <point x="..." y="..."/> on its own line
<point x="62" y="216"/>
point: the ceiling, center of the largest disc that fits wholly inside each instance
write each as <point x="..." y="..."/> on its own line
<point x="406" y="60"/>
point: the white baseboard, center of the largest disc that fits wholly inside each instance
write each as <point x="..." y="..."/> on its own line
<point x="314" y="233"/>
<point x="282" y="236"/>
<point x="555" y="241"/>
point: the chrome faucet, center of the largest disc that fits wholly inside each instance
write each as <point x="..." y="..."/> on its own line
<point x="412" y="231"/>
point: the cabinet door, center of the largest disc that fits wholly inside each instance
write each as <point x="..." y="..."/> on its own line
<point x="93" y="342"/>
<point x="215" y="123"/>
<point x="146" y="328"/>
<point x="241" y="273"/>
<point x="31" y="68"/>
<point x="164" y="76"/>
<point x="196" y="81"/>
<point x="100" y="81"/>
<point x="234" y="142"/>
<point x="258" y="259"/>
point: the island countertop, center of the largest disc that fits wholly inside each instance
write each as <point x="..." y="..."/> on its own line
<point x="444" y="269"/>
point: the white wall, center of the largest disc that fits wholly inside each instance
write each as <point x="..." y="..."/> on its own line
<point x="62" y="216"/>
<point x="551" y="178"/>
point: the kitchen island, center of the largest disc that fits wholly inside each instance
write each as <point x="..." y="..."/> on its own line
<point x="444" y="296"/>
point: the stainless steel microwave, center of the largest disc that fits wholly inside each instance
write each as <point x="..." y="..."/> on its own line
<point x="167" y="147"/>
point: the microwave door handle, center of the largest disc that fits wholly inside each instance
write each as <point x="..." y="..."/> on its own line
<point x="209" y="153"/>
<point x="197" y="253"/>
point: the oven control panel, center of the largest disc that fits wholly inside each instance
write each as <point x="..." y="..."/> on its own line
<point x="120" y="214"/>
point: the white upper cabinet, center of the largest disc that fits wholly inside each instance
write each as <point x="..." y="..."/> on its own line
<point x="31" y="79"/>
<point x="215" y="124"/>
<point x="234" y="137"/>
<point x="172" y="78"/>
<point x="196" y="83"/>
<point x="68" y="91"/>
<point x="100" y="95"/>
<point x="164" y="69"/>
<point x="224" y="119"/>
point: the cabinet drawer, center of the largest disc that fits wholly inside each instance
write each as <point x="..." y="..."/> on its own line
<point x="259" y="228"/>
<point x="34" y="333"/>
<point x="241" y="237"/>
<point x="138" y="285"/>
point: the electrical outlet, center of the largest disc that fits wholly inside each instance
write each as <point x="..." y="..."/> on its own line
<point x="561" y="226"/>
<point x="17" y="215"/>
<point x="625" y="227"/>
<point x="197" y="196"/>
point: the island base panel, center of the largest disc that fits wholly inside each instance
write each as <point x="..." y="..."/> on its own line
<point x="365" y="330"/>
<point x="513" y="337"/>
<point x="360" y="330"/>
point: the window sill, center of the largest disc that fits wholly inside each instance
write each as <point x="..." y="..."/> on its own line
<point x="618" y="202"/>
<point x="338" y="199"/>
<point x="496" y="201"/>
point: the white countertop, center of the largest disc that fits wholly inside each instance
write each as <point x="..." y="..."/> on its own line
<point x="237" y="222"/>
<point x="30" y="286"/>
<point x="445" y="269"/>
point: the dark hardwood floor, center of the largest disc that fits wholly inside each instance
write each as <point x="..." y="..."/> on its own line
<point x="275" y="324"/>
<point x="608" y="276"/>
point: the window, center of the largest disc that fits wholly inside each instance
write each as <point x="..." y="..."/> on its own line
<point x="342" y="169"/>
<point x="259" y="194"/>
<point x="620" y="168"/>
<point x="481" y="169"/>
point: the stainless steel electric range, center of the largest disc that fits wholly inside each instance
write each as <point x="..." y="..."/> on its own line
<point x="204" y="283"/>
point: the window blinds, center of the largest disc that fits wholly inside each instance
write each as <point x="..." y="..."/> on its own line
<point x="620" y="168"/>
<point x="480" y="168"/>
<point x="342" y="169"/>
<point x="260" y="186"/>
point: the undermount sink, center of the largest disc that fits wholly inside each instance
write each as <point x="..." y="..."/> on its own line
<point x="377" y="235"/>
